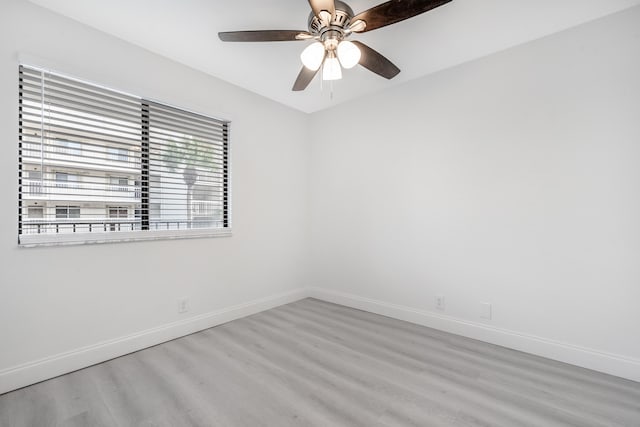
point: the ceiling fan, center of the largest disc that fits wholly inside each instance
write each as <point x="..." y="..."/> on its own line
<point x="331" y="22"/>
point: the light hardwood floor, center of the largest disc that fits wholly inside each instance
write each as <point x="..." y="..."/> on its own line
<point x="312" y="363"/>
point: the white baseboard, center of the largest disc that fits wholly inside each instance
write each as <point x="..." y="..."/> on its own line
<point x="52" y="366"/>
<point x="613" y="364"/>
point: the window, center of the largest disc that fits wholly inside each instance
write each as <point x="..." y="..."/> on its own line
<point x="34" y="182"/>
<point x="137" y="188"/>
<point x="114" y="153"/>
<point x="119" y="183"/>
<point x="118" y="154"/>
<point x="118" y="212"/>
<point x="35" y="212"/>
<point x="68" y="147"/>
<point x="66" y="180"/>
<point x="35" y="216"/>
<point x="34" y="175"/>
<point x="64" y="212"/>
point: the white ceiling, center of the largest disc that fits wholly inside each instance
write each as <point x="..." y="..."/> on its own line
<point x="463" y="30"/>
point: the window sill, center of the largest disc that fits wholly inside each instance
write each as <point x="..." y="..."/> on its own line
<point x="36" y="240"/>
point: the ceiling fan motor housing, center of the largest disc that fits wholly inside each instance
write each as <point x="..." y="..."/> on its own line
<point x="331" y="33"/>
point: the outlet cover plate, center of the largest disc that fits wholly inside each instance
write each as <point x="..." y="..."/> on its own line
<point x="183" y="305"/>
<point x="485" y="310"/>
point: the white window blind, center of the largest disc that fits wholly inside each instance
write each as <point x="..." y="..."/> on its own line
<point x="93" y="148"/>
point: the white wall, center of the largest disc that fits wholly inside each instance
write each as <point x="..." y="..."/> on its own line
<point x="61" y="299"/>
<point x="513" y="180"/>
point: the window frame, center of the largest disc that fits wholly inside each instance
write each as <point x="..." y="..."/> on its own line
<point x="31" y="208"/>
<point x="75" y="238"/>
<point x="68" y="209"/>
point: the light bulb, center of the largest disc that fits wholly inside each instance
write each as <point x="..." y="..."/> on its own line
<point x="331" y="69"/>
<point x="313" y="55"/>
<point x="349" y="54"/>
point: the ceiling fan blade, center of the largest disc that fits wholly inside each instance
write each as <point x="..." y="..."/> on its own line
<point x="304" y="78"/>
<point x="394" y="11"/>
<point x="373" y="61"/>
<point x="264" y="36"/>
<point x="327" y="5"/>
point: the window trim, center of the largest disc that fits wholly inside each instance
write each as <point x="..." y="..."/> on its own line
<point x="35" y="240"/>
<point x="82" y="238"/>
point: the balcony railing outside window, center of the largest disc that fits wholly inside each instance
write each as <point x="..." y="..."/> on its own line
<point x="34" y="188"/>
<point x="94" y="225"/>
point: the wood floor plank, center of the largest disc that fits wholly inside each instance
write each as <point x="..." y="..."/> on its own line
<point x="313" y="363"/>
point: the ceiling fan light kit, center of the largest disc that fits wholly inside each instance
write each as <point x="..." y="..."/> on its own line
<point x="313" y="55"/>
<point x="331" y="69"/>
<point x="330" y="23"/>
<point x="348" y="54"/>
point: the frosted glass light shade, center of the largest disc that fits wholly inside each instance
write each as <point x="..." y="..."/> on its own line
<point x="331" y="69"/>
<point x="313" y="55"/>
<point x="348" y="53"/>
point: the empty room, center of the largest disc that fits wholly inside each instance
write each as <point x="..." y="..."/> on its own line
<point x="320" y="213"/>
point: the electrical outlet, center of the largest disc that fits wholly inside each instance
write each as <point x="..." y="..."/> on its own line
<point x="440" y="302"/>
<point x="183" y="305"/>
<point x="485" y="310"/>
